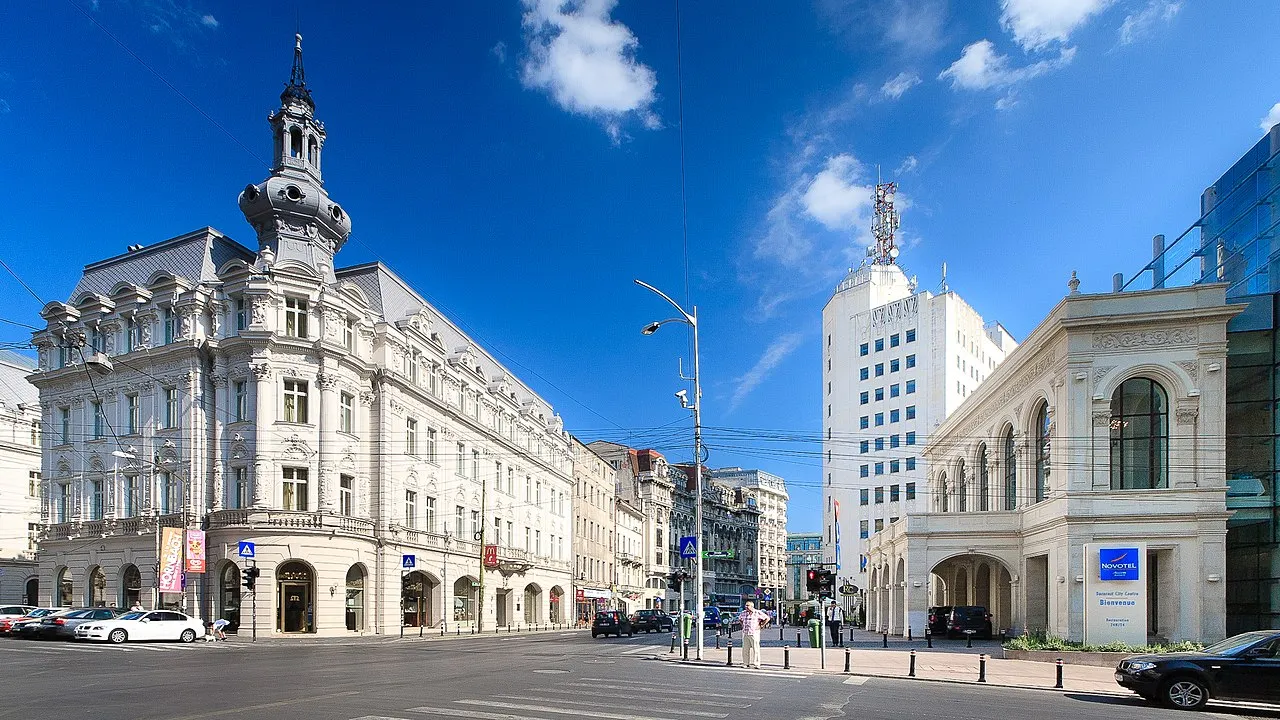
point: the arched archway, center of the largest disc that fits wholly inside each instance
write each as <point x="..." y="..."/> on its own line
<point x="295" y="597"/>
<point x="64" y="593"/>
<point x="229" y="595"/>
<point x="464" y="599"/>
<point x="130" y="587"/>
<point x="557" y="600"/>
<point x="976" y="580"/>
<point x="532" y="604"/>
<point x="354" y="610"/>
<point x="982" y="586"/>
<point x="95" y="588"/>
<point x="873" y="598"/>
<point x="32" y="592"/>
<point x="898" y="619"/>
<point x="418" y="589"/>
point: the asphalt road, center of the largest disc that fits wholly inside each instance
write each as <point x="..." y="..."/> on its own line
<point x="552" y="676"/>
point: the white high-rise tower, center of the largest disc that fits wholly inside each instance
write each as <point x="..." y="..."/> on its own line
<point x="896" y="362"/>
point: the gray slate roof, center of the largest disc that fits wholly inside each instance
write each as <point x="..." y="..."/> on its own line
<point x="14" y="388"/>
<point x="195" y="256"/>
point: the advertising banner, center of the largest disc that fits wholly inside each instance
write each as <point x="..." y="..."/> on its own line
<point x="195" y="551"/>
<point x="1115" y="593"/>
<point x="171" y="560"/>
<point x="491" y="556"/>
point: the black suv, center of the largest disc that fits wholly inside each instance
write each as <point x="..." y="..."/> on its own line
<point x="969" y="619"/>
<point x="652" y="620"/>
<point x="939" y="615"/>
<point x="611" y="622"/>
<point x="1244" y="667"/>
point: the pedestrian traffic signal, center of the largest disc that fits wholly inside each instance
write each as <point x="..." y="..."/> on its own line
<point x="813" y="582"/>
<point x="827" y="582"/>
<point x="250" y="576"/>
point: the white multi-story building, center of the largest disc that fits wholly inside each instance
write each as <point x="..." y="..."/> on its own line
<point x="896" y="362"/>
<point x="19" y="480"/>
<point x="629" y="522"/>
<point x="644" y="481"/>
<point x="770" y="495"/>
<point x="593" y="538"/>
<point x="331" y="416"/>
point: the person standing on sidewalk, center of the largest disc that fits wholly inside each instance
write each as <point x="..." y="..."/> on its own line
<point x="753" y="621"/>
<point x="835" y="619"/>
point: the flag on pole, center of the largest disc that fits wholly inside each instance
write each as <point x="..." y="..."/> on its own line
<point x="837" y="517"/>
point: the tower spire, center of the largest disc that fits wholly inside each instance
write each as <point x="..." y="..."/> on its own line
<point x="297" y="88"/>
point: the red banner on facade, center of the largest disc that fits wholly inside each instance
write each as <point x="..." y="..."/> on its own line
<point x="170" y="560"/>
<point x="195" y="551"/>
<point x="491" y="556"/>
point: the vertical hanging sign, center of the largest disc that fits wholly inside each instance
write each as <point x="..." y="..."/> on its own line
<point x="170" y="560"/>
<point x="195" y="551"/>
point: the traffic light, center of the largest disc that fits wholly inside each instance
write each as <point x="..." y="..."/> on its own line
<point x="250" y="575"/>
<point x="813" y="582"/>
<point x="828" y="583"/>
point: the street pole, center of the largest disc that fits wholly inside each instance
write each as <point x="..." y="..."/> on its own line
<point x="484" y="488"/>
<point x="254" y="596"/>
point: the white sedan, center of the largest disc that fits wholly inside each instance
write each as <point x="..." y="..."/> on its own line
<point x="144" y="625"/>
<point x="12" y="612"/>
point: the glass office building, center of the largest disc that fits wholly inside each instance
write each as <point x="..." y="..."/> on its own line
<point x="1235" y="241"/>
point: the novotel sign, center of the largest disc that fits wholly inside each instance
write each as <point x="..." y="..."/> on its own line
<point x="1118" y="563"/>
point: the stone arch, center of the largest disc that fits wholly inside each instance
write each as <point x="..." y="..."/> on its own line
<point x="898" y="595"/>
<point x="463" y="604"/>
<point x="95" y="587"/>
<point x="557" y="604"/>
<point x="296" y="582"/>
<point x="985" y="576"/>
<point x="1177" y="383"/>
<point x="533" y="604"/>
<point x="130" y="586"/>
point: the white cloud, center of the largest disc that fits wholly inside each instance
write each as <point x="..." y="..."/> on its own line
<point x="895" y="86"/>
<point x="773" y="356"/>
<point x="4" y="106"/>
<point x="834" y="197"/>
<point x="500" y="51"/>
<point x="1035" y="24"/>
<point x="1139" y="24"/>
<point x="980" y="67"/>
<point x="586" y="61"/>
<point x="209" y="21"/>
<point x="1273" y="117"/>
<point x="909" y="165"/>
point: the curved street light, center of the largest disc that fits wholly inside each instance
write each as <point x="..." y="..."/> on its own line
<point x="690" y="319"/>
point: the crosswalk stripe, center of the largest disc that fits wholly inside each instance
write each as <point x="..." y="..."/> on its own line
<point x="481" y="715"/>
<point x="764" y="674"/>
<point x="597" y="704"/>
<point x="682" y="701"/>
<point x="642" y="648"/>
<point x="73" y="648"/>
<point x="559" y="711"/>
<point x="698" y="693"/>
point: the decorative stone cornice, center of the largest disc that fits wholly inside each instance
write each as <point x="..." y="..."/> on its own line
<point x="1144" y="338"/>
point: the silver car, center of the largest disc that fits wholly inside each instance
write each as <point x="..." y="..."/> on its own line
<point x="63" y="627"/>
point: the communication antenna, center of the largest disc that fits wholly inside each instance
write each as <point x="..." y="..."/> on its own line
<point x="885" y="224"/>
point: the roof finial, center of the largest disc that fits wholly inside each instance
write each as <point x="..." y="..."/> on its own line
<point x="297" y="87"/>
<point x="1074" y="284"/>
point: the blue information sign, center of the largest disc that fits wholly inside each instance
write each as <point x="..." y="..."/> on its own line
<point x="247" y="550"/>
<point x="1118" y="563"/>
<point x="407" y="562"/>
<point x="689" y="547"/>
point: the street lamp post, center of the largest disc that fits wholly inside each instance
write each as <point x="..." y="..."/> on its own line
<point x="690" y="319"/>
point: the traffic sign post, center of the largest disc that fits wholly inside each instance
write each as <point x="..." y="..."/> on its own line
<point x="408" y="562"/>
<point x="689" y="547"/>
<point x="248" y="550"/>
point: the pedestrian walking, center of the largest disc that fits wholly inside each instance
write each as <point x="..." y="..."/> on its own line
<point x="753" y="621"/>
<point x="835" y="619"/>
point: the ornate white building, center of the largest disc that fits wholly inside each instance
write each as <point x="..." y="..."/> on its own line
<point x="329" y="415"/>
<point x="770" y="494"/>
<point x="593" y="536"/>
<point x="19" y="480"/>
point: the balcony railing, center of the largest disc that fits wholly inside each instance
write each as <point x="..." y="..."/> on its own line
<point x="290" y="520"/>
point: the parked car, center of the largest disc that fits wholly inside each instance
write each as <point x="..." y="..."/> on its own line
<point x="652" y="621"/>
<point x="939" y="615"/>
<point x="63" y="627"/>
<point x="611" y="622"/>
<point x="144" y="625"/>
<point x="1244" y="667"/>
<point x="711" y="617"/>
<point x="34" y="630"/>
<point x="9" y="612"/>
<point x="7" y="624"/>
<point x="966" y="619"/>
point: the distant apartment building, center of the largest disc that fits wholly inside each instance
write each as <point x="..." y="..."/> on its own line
<point x="593" y="531"/>
<point x="20" y="432"/>
<point x="770" y="492"/>
<point x="804" y="551"/>
<point x="896" y="361"/>
<point x="645" y="483"/>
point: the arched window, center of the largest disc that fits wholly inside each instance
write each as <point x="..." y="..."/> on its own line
<point x="295" y="143"/>
<point x="355" y="598"/>
<point x="65" y="597"/>
<point x="130" y="586"/>
<point x="1010" y="471"/>
<point x="96" y="589"/>
<point x="1139" y="435"/>
<point x="229" y="596"/>
<point x="963" y="478"/>
<point x="313" y="152"/>
<point x="984" y="482"/>
<point x="943" y="504"/>
<point x="1042" y="452"/>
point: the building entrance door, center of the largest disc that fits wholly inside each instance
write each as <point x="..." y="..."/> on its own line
<point x="503" y="599"/>
<point x="294" y="601"/>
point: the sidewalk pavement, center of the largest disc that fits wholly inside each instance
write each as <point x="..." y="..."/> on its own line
<point x="935" y="665"/>
<point x="243" y="637"/>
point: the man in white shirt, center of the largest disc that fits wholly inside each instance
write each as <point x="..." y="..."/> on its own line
<point x="835" y="619"/>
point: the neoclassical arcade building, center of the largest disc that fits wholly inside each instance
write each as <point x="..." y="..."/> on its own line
<point x="1106" y="425"/>
<point x="329" y="415"/>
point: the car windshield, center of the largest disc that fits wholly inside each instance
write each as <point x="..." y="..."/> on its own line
<point x="132" y="616"/>
<point x="39" y="612"/>
<point x="79" y="614"/>
<point x="644" y="613"/>
<point x="970" y="612"/>
<point x="1234" y="645"/>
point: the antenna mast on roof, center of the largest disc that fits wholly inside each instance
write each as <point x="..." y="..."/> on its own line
<point x="885" y="224"/>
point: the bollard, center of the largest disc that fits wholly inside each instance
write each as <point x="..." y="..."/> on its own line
<point x="729" y="655"/>
<point x="473" y="629"/>
<point x="911" y="669"/>
<point x="717" y="639"/>
<point x="508" y="628"/>
<point x="846" y="661"/>
<point x="928" y="637"/>
<point x="673" y="644"/>
<point x="886" y="640"/>
<point x="441" y="629"/>
<point x="799" y="644"/>
<point x="851" y="634"/>
<point x="686" y="651"/>
<point x="1058" y="685"/>
<point x="779" y="633"/>
<point x="909" y="633"/>
<point x="457" y="630"/>
<point x="786" y="657"/>
<point x="982" y="668"/>
<point x="968" y="639"/>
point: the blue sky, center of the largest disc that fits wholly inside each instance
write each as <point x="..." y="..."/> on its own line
<point x="519" y="162"/>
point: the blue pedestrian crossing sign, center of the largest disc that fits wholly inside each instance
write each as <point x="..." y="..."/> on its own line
<point x="407" y="562"/>
<point x="689" y="547"/>
<point x="247" y="550"/>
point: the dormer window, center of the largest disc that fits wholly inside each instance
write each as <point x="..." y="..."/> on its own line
<point x="242" y="314"/>
<point x="170" y="325"/>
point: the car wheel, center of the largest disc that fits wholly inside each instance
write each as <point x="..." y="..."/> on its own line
<point x="1185" y="693"/>
<point x="118" y="636"/>
<point x="594" y="634"/>
<point x="187" y="635"/>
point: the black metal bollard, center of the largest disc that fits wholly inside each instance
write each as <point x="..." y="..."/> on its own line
<point x="495" y="629"/>
<point x="779" y="633"/>
<point x="982" y="668"/>
<point x="686" y="650"/>
<point x="1058" y="685"/>
<point x="799" y="644"/>
<point x="928" y="637"/>
<point x="846" y="661"/>
<point x="457" y="630"/>
<point x="729" y="655"/>
<point x="886" y="640"/>
<point x="786" y="657"/>
<point x="673" y="643"/>
<point x="911" y="669"/>
<point x="968" y="640"/>
<point x="909" y="633"/>
<point x="850" y="634"/>
<point x="717" y="639"/>
<point x="508" y="628"/>
<point x="441" y="629"/>
<point x="473" y="629"/>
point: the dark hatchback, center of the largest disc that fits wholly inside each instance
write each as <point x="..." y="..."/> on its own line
<point x="651" y="621"/>
<point x="938" y="617"/>
<point x="1244" y="667"/>
<point x="611" y="622"/>
<point x="969" y="620"/>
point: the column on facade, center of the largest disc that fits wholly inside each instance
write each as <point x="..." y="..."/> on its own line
<point x="264" y="416"/>
<point x="327" y="381"/>
<point x="219" y="416"/>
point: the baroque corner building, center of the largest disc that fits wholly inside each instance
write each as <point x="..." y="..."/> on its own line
<point x="331" y="416"/>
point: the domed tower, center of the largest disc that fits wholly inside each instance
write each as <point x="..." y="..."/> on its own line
<point x="294" y="217"/>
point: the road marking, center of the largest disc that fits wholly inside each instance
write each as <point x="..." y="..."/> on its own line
<point x="856" y="681"/>
<point x="642" y="648"/>
<point x="559" y="711"/>
<point x="480" y="715"/>
<point x="73" y="648"/>
<point x="682" y="701"/>
<point x="698" y="693"/>
<point x="597" y="704"/>
<point x="278" y="703"/>
<point x="775" y="674"/>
